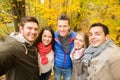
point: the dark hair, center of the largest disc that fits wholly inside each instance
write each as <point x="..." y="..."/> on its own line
<point x="104" y="27"/>
<point x="64" y="17"/>
<point x="86" y="40"/>
<point x="26" y="19"/>
<point x="39" y="38"/>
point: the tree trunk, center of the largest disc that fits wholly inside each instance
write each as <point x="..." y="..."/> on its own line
<point x="18" y="11"/>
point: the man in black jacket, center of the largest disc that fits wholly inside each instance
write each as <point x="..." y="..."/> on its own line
<point x="18" y="56"/>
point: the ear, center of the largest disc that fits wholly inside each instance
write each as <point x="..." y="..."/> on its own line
<point x="107" y="36"/>
<point x="69" y="28"/>
<point x="21" y="29"/>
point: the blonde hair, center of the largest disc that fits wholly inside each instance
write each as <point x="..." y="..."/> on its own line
<point x="86" y="39"/>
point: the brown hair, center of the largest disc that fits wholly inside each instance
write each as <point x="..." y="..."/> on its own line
<point x="64" y="17"/>
<point x="104" y="27"/>
<point x="26" y="19"/>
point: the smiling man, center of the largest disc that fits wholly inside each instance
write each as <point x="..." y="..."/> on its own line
<point x="18" y="57"/>
<point x="64" y="42"/>
<point x="102" y="57"/>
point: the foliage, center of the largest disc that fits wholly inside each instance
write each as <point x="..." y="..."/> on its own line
<point x="5" y="17"/>
<point x="82" y="13"/>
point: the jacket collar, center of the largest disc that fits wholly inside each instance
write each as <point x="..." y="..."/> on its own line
<point x="18" y="36"/>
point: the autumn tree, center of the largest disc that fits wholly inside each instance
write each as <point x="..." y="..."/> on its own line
<point x="18" y="11"/>
<point x="81" y="12"/>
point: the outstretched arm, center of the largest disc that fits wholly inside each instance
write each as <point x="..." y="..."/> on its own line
<point x="6" y="58"/>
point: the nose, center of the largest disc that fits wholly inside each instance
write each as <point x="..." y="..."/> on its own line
<point x="92" y="36"/>
<point x="34" y="31"/>
<point x="47" y="38"/>
<point x="62" y="28"/>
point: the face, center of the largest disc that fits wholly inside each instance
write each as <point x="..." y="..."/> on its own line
<point x="79" y="41"/>
<point x="97" y="36"/>
<point x="63" y="27"/>
<point x="46" y="37"/>
<point x="29" y="31"/>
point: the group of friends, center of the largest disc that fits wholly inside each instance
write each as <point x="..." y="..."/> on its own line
<point x="31" y="54"/>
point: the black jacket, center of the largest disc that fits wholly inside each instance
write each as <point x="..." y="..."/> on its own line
<point x="18" y="61"/>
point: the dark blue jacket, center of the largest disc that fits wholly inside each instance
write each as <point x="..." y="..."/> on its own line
<point x="62" y="59"/>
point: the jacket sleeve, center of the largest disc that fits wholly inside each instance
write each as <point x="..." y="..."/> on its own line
<point x="114" y="66"/>
<point x="7" y="58"/>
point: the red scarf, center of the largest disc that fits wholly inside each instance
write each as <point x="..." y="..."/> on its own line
<point x="43" y="51"/>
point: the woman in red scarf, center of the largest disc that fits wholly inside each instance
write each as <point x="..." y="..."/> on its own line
<point x="44" y="43"/>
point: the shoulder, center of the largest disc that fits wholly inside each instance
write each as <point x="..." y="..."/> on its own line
<point x="112" y="48"/>
<point x="115" y="50"/>
<point x="10" y="42"/>
<point x="56" y="34"/>
<point x="11" y="46"/>
<point x="114" y="61"/>
<point x="73" y="33"/>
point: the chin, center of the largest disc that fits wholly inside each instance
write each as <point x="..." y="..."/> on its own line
<point x="62" y="35"/>
<point x="95" y="46"/>
<point x="31" y="40"/>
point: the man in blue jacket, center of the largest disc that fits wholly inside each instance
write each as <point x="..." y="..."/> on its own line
<point x="63" y="45"/>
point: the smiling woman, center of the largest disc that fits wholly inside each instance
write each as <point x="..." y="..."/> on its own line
<point x="81" y="42"/>
<point x="44" y="43"/>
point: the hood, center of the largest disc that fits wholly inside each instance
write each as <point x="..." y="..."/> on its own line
<point x="19" y="37"/>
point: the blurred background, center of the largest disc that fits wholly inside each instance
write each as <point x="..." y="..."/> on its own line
<point x="81" y="12"/>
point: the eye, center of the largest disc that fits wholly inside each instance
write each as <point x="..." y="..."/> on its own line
<point x="30" y="28"/>
<point x="50" y="36"/>
<point x="97" y="34"/>
<point x="65" y="26"/>
<point x="59" y="26"/>
<point x="80" y="40"/>
<point x="44" y="36"/>
<point x="36" y="29"/>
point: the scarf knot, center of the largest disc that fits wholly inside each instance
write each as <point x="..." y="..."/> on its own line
<point x="43" y="51"/>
